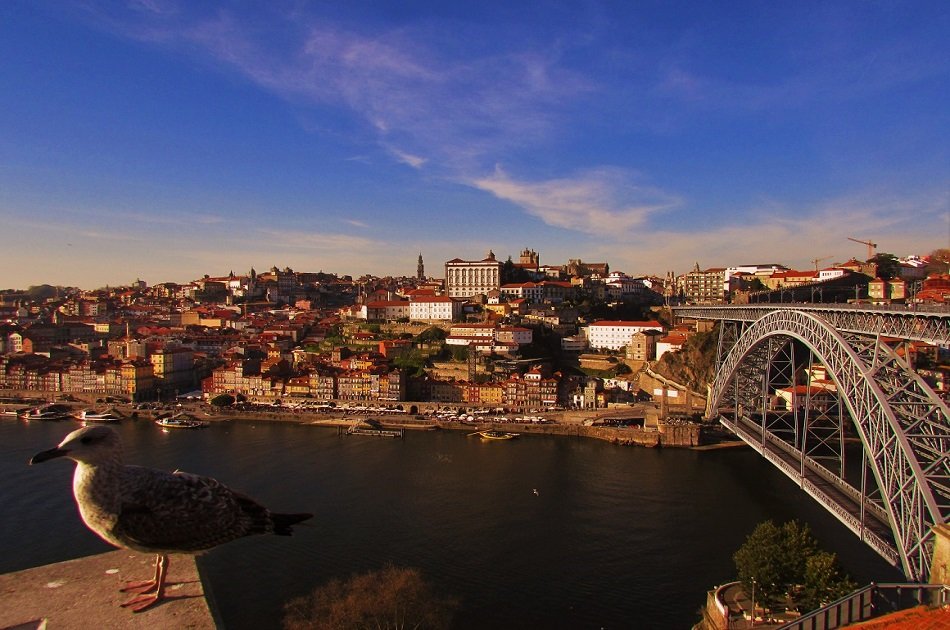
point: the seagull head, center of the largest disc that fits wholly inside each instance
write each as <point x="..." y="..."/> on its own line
<point x="89" y="445"/>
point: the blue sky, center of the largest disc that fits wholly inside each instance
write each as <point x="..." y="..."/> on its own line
<point x="168" y="140"/>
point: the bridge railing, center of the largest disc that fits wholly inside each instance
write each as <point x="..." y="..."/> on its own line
<point x="918" y="308"/>
<point x="883" y="547"/>
<point x="871" y="601"/>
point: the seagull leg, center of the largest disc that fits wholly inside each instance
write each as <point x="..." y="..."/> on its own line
<point x="151" y="591"/>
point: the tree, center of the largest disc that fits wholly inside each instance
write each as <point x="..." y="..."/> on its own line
<point x="761" y="560"/>
<point x="413" y="363"/>
<point x="391" y="597"/>
<point x="222" y="400"/>
<point x="824" y="581"/>
<point x="888" y="266"/>
<point x="430" y="334"/>
<point x="786" y="560"/>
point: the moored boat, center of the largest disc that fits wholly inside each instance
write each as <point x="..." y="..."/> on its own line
<point x="180" y="422"/>
<point x="46" y="412"/>
<point x="497" y="435"/>
<point x="89" y="415"/>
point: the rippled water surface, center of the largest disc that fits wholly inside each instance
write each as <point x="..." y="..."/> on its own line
<point x="615" y="537"/>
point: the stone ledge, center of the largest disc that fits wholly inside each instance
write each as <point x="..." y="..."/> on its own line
<point x="84" y="593"/>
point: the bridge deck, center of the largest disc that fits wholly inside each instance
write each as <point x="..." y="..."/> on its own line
<point x="837" y="496"/>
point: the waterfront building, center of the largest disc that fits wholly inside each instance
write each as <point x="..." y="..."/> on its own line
<point x="466" y="278"/>
<point x="531" y="391"/>
<point x="485" y="394"/>
<point x="173" y="368"/>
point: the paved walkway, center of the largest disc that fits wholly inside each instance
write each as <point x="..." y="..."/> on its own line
<point x="84" y="593"/>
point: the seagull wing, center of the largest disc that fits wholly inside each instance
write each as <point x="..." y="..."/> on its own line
<point x="163" y="511"/>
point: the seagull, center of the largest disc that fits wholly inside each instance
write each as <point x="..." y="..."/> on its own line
<point x="154" y="511"/>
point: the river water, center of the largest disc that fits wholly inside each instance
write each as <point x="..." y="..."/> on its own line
<point x="616" y="537"/>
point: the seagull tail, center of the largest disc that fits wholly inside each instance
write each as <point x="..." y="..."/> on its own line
<point x="283" y="523"/>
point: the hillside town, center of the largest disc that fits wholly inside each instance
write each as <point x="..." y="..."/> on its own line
<point x="515" y="335"/>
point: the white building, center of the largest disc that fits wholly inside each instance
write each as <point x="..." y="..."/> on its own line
<point x="614" y="335"/>
<point x="467" y="278"/>
<point x="434" y="308"/>
<point x="530" y="291"/>
<point x="384" y="310"/>
<point x="489" y="338"/>
<point x="831" y="273"/>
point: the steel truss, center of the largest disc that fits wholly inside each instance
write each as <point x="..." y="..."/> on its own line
<point x="904" y="428"/>
<point x="930" y="326"/>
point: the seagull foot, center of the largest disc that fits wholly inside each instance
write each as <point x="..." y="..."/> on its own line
<point x="150" y="591"/>
<point x="140" y="603"/>
<point x="139" y="587"/>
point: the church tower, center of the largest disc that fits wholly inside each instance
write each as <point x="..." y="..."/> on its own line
<point x="420" y="269"/>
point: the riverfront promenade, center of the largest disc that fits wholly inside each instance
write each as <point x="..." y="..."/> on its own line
<point x="567" y="423"/>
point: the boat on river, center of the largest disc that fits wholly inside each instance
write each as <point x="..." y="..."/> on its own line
<point x="46" y="412"/>
<point x="180" y="421"/>
<point x="89" y="415"/>
<point x="496" y="435"/>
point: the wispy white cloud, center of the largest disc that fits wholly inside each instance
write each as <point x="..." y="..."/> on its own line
<point x="414" y="161"/>
<point x="356" y="223"/>
<point x="605" y="202"/>
<point x="404" y="87"/>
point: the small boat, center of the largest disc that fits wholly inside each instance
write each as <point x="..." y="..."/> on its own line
<point x="46" y="412"/>
<point x="497" y="435"/>
<point x="88" y="415"/>
<point x="180" y="422"/>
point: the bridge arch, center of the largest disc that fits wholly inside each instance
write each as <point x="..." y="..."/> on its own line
<point x="904" y="428"/>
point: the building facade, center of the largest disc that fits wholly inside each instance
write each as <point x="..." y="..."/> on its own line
<point x="466" y="278"/>
<point x="614" y="335"/>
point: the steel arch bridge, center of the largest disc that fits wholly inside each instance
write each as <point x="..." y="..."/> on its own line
<point x="855" y="427"/>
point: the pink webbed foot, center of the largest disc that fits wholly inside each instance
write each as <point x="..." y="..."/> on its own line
<point x="142" y="602"/>
<point x="150" y="591"/>
<point x="139" y="587"/>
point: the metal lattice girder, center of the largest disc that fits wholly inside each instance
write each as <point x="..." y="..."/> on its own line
<point x="904" y="427"/>
<point x="927" y="323"/>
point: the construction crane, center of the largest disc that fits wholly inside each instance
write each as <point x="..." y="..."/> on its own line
<point x="871" y="246"/>
<point x="815" y="261"/>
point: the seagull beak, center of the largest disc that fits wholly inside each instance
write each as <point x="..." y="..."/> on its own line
<point x="52" y="453"/>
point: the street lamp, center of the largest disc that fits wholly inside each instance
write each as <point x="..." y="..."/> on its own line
<point x="753" y="601"/>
